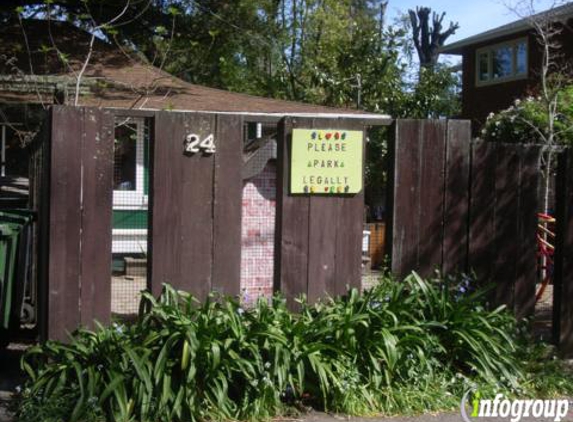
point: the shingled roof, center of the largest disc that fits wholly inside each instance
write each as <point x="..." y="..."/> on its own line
<point x="115" y="77"/>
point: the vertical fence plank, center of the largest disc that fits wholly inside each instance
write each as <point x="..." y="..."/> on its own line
<point x="182" y="208"/>
<point x="196" y="207"/>
<point x="526" y="260"/>
<point x="227" y="206"/>
<point x="165" y="194"/>
<point x="405" y="198"/>
<point x="97" y="198"/>
<point x="419" y="153"/>
<point x="323" y="223"/>
<point x="65" y="222"/>
<point x="431" y="196"/>
<point x="291" y="263"/>
<point x="349" y="230"/>
<point x="482" y="211"/>
<point x="349" y="244"/>
<point x="323" y="220"/>
<point x="563" y="277"/>
<point x="507" y="212"/>
<point x="456" y="201"/>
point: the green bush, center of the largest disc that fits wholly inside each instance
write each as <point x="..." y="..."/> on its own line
<point x="412" y="346"/>
<point x="521" y="122"/>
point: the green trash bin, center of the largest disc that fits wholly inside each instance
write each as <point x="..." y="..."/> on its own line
<point x="13" y="251"/>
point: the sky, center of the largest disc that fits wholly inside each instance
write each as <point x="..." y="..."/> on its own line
<point x="473" y="16"/>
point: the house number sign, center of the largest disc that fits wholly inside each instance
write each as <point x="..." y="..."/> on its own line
<point x="194" y="144"/>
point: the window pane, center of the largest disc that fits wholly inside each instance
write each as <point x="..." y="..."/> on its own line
<point x="502" y="62"/>
<point x="125" y="157"/>
<point x="521" y="58"/>
<point x="483" y="72"/>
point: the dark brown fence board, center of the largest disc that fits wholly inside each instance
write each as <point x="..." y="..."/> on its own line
<point x="292" y="217"/>
<point x="319" y="237"/>
<point x="349" y="243"/>
<point x="196" y="208"/>
<point x="456" y="201"/>
<point x="431" y="196"/>
<point x="165" y="197"/>
<point x="482" y="211"/>
<point x="323" y="226"/>
<point x="227" y="206"/>
<point x="182" y="205"/>
<point x="507" y="215"/>
<point x="526" y="263"/>
<point x="563" y="279"/>
<point x="405" y="215"/>
<point x="350" y="226"/>
<point x="65" y="222"/>
<point x="322" y="218"/>
<point x="97" y="178"/>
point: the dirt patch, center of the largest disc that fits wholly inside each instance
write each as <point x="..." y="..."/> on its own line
<point x="126" y="294"/>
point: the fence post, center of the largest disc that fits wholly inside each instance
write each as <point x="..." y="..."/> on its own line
<point x="563" y="275"/>
<point x="417" y="214"/>
<point x="318" y="237"/>
<point x="77" y="190"/>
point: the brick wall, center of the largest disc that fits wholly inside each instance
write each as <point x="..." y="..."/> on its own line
<point x="258" y="235"/>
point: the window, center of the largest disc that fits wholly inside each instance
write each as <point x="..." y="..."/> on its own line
<point x="125" y="155"/>
<point x="130" y="163"/>
<point x="501" y="62"/>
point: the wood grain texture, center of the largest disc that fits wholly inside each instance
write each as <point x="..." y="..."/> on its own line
<point x="349" y="232"/>
<point x="482" y="228"/>
<point x="195" y="207"/>
<point x="164" y="202"/>
<point x="318" y="237"/>
<point x="526" y="261"/>
<point x="507" y="212"/>
<point x="430" y="201"/>
<point x="405" y="203"/>
<point x="182" y="205"/>
<point x="97" y="203"/>
<point x="291" y="267"/>
<point x="563" y="277"/>
<point x="457" y="197"/>
<point x="65" y="222"/>
<point x="228" y="187"/>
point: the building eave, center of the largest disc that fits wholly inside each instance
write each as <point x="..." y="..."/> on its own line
<point x="560" y="13"/>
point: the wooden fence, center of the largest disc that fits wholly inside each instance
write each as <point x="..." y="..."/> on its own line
<point x="194" y="215"/>
<point x="456" y="205"/>
<point x="563" y="276"/>
<point x="318" y="237"/>
<point x="462" y="206"/>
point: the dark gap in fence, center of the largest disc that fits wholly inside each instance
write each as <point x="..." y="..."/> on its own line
<point x="131" y="214"/>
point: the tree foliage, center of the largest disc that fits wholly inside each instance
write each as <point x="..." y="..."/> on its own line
<point x="329" y="52"/>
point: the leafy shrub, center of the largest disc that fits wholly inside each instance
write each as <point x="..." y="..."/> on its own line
<point x="399" y="347"/>
<point x="521" y="122"/>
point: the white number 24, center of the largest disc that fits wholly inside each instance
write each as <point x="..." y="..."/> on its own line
<point x="194" y="144"/>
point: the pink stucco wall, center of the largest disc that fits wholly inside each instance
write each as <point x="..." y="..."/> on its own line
<point x="258" y="235"/>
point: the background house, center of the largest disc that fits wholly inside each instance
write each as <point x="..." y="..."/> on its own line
<point x="503" y="64"/>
